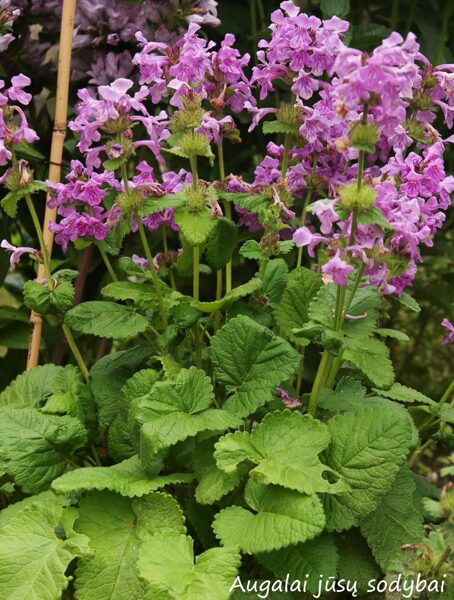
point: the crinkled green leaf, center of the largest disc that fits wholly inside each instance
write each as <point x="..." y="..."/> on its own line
<point x="402" y="393"/>
<point x="282" y="517"/>
<point x="117" y="528"/>
<point x="292" y="312"/>
<point x="409" y="302"/>
<point x="285" y="447"/>
<point x="251" y="202"/>
<point x="397" y="520"/>
<point x="304" y="562"/>
<point x="213" y="483"/>
<point x="154" y="205"/>
<point x="109" y="374"/>
<point x="142" y="294"/>
<point x="251" y="250"/>
<point x="41" y="299"/>
<point x="176" y="410"/>
<point x="250" y="360"/>
<point x="126" y="478"/>
<point x="170" y="570"/>
<point x="367" y="449"/>
<point x="239" y="292"/>
<point x="356" y="563"/>
<point x="394" y="334"/>
<point x="34" y="555"/>
<point x="36" y="448"/>
<point x="372" y="358"/>
<point x="275" y="280"/>
<point x="31" y="388"/>
<point x="363" y="309"/>
<point x="195" y="227"/>
<point x="106" y="319"/>
<point x="221" y="243"/>
<point x="279" y="127"/>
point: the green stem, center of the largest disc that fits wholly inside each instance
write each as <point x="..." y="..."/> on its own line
<point x="359" y="276"/>
<point x="339" y="309"/>
<point x="307" y="200"/>
<point x="196" y="272"/>
<point x="361" y="161"/>
<point x="228" y="214"/>
<point x="395" y="15"/>
<point x="217" y="317"/>
<point x="108" y="264"/>
<point x="154" y="273"/>
<point x="42" y="244"/>
<point x="449" y="390"/>
<point x="287" y="145"/>
<point x="77" y="355"/>
<point x="166" y="250"/>
<point x="221" y="161"/>
<point x="299" y="380"/>
<point x="195" y="175"/>
<point x="323" y="368"/>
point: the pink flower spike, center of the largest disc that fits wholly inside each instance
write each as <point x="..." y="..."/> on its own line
<point x="450" y="327"/>
<point x="16" y="253"/>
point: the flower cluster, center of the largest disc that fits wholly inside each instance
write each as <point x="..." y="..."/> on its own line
<point x="14" y="127"/>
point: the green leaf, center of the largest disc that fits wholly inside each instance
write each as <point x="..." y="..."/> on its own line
<point x="176" y="410"/>
<point x="154" y="205"/>
<point x="372" y="358"/>
<point x="293" y="310"/>
<point x="374" y="216"/>
<point x="170" y="570"/>
<point x="41" y="299"/>
<point x="71" y="396"/>
<point x="394" y="334"/>
<point x="37" y="544"/>
<point x="286" y="246"/>
<point x="340" y="8"/>
<point x="25" y="150"/>
<point x="126" y="478"/>
<point x="117" y="527"/>
<point x="36" y="448"/>
<point x="246" y="289"/>
<point x="282" y="517"/>
<point x="304" y="562"/>
<point x="9" y="203"/>
<point x="213" y="483"/>
<point x="106" y="319"/>
<point x="109" y="375"/>
<point x="275" y="280"/>
<point x="396" y="521"/>
<point x="409" y="302"/>
<point x="221" y="243"/>
<point x="364" y="308"/>
<point x="112" y="164"/>
<point x="253" y="203"/>
<point x="349" y="395"/>
<point x="367" y="449"/>
<point x="142" y="294"/>
<point x="250" y="360"/>
<point x="31" y="388"/>
<point x="195" y="227"/>
<point x="402" y="393"/>
<point x="251" y="250"/>
<point x="279" y="127"/>
<point x="285" y="447"/>
<point x="356" y="563"/>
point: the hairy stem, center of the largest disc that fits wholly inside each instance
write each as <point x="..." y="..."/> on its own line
<point x="196" y="272"/>
<point x="319" y="381"/>
<point x="76" y="352"/>
<point x="42" y="245"/>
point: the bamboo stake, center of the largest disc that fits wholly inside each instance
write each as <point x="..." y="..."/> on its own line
<point x="56" y="154"/>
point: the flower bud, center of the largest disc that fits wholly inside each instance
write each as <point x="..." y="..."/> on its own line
<point x="19" y="176"/>
<point x="289" y="115"/>
<point x="216" y="210"/>
<point x="130" y="200"/>
<point x="364" y="136"/>
<point x="196" y="197"/>
<point x="353" y="198"/>
<point x="187" y="118"/>
<point x="194" y="144"/>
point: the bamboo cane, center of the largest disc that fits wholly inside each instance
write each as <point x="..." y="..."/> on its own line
<point x="56" y="154"/>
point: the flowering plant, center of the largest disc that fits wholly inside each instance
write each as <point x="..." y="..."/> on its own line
<point x="248" y="376"/>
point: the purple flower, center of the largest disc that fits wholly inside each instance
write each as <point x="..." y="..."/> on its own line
<point x="450" y="327"/>
<point x="16" y="253"/>
<point x="304" y="237"/>
<point x="338" y="269"/>
<point x="287" y="400"/>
